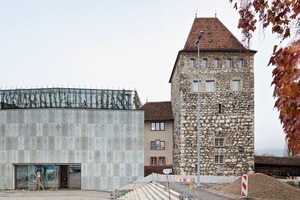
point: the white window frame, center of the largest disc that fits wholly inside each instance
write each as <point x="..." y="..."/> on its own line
<point x="196" y="86"/>
<point x="157" y="126"/>
<point x="210" y="87"/>
<point x="235" y="87"/>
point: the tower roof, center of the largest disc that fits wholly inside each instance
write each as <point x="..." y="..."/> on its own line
<point x="216" y="37"/>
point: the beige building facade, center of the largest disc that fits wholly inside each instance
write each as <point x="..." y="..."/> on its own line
<point x="158" y="136"/>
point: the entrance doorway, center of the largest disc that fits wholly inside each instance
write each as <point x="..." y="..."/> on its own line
<point x="64" y="176"/>
<point x="52" y="176"/>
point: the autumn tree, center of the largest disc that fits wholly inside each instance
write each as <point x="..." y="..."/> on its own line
<point x="282" y="16"/>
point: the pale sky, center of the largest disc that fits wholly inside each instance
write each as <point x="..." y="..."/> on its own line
<point x="118" y="44"/>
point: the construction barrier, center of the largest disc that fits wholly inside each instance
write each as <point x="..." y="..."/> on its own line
<point x="244" y="186"/>
<point x="173" y="178"/>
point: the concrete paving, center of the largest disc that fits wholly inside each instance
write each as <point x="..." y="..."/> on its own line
<point x="195" y="193"/>
<point x="53" y="195"/>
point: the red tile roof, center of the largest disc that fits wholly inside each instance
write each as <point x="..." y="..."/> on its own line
<point x="158" y="110"/>
<point x="216" y="36"/>
<point x="271" y="160"/>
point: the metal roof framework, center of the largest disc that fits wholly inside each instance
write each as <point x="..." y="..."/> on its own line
<point x="69" y="98"/>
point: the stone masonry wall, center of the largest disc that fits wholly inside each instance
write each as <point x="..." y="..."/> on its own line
<point x="224" y="114"/>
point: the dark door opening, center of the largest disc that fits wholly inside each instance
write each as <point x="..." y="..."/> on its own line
<point x="64" y="176"/>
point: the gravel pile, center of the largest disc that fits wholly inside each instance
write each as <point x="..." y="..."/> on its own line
<point x="263" y="187"/>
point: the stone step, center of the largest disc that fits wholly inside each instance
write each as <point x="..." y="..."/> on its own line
<point x="147" y="193"/>
<point x="162" y="189"/>
<point x="151" y="191"/>
<point x="136" y="195"/>
<point x="154" y="192"/>
<point x="142" y="194"/>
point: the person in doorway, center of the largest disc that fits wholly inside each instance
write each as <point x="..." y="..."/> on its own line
<point x="38" y="179"/>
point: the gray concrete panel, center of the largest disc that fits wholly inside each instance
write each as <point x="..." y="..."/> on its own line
<point x="101" y="140"/>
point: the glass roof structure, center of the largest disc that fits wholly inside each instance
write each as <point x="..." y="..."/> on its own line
<point x="69" y="98"/>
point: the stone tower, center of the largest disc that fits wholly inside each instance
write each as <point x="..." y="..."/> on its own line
<point x="226" y="103"/>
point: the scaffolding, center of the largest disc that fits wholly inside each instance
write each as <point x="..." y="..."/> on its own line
<point x="31" y="177"/>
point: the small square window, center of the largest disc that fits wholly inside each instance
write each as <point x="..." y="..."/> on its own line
<point x="204" y="63"/>
<point x="219" y="142"/>
<point x="217" y="63"/>
<point x="235" y="85"/>
<point x="192" y="63"/>
<point x="210" y="86"/>
<point x="219" y="159"/>
<point x="196" y="86"/>
<point x="229" y="62"/>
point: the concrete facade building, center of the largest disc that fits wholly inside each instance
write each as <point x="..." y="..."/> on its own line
<point x="72" y="142"/>
<point x="226" y="103"/>
<point x="158" y="140"/>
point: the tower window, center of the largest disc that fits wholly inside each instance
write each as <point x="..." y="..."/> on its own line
<point x="210" y="86"/>
<point x="242" y="62"/>
<point x="219" y="142"/>
<point x="219" y="159"/>
<point x="217" y="63"/>
<point x="235" y="85"/>
<point x="192" y="63"/>
<point x="196" y="86"/>
<point x="220" y="108"/>
<point x="229" y="62"/>
<point x="204" y="63"/>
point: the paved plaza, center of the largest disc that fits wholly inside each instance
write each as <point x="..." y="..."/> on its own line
<point x="53" y="195"/>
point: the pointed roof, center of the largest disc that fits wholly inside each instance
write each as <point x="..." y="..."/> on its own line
<point x="216" y="37"/>
<point x="158" y="110"/>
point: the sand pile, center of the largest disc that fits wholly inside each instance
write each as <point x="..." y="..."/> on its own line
<point x="264" y="187"/>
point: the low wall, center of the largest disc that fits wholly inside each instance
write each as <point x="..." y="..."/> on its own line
<point x="187" y="179"/>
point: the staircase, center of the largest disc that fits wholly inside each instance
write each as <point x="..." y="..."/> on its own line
<point x="151" y="191"/>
